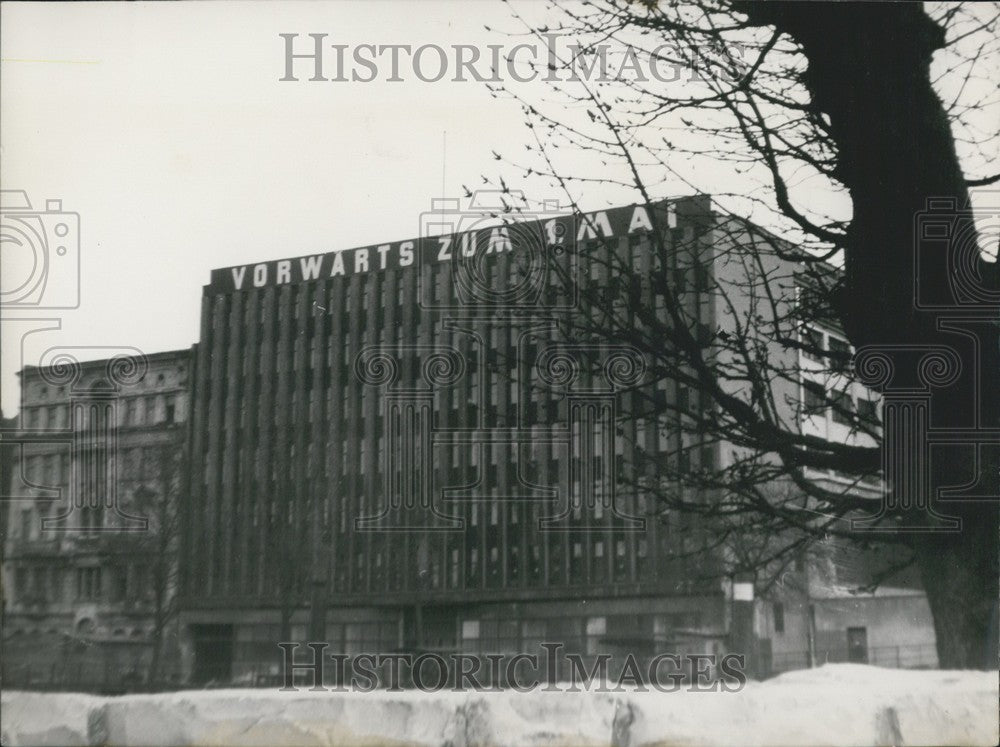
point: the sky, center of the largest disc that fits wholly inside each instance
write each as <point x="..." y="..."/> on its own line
<point x="167" y="128"/>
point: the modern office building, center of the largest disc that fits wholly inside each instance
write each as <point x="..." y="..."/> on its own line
<point x="413" y="446"/>
<point x="90" y="494"/>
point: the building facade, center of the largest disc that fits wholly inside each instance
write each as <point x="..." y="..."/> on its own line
<point x="404" y="437"/>
<point x="824" y="614"/>
<point x="90" y="548"/>
<point x="412" y="446"/>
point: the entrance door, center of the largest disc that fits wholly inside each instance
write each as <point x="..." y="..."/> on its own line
<point x="439" y="628"/>
<point x="213" y="654"/>
<point x="857" y="645"/>
<point x="429" y="627"/>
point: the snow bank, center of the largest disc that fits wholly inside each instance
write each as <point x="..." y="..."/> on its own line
<point x="43" y="718"/>
<point x="268" y="717"/>
<point x="840" y="704"/>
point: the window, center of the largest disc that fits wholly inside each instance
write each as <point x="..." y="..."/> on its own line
<point x="473" y="563"/>
<point x="868" y="411"/>
<point x="812" y="341"/>
<point x="843" y="407"/>
<point x="597" y="625"/>
<point x="26" y="523"/>
<point x="454" y="568"/>
<point x="779" y="617"/>
<point x="701" y="280"/>
<point x="88" y="583"/>
<point x="596" y="628"/>
<point x="813" y="398"/>
<point x="55" y="585"/>
<point x="840" y="355"/>
<point x="119" y="586"/>
<point x="682" y="398"/>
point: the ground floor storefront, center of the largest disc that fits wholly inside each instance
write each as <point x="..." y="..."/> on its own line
<point x="242" y="647"/>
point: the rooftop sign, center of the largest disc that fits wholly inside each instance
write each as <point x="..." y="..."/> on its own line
<point x="449" y="235"/>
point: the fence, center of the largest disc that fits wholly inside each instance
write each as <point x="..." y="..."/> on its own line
<point x="109" y="676"/>
<point x="923" y="656"/>
<point x="107" y="667"/>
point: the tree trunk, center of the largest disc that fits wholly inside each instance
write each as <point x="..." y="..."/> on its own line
<point x="154" y="662"/>
<point x="159" y="619"/>
<point x="868" y="71"/>
<point x="959" y="572"/>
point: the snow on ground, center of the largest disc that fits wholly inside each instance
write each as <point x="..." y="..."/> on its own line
<point x="838" y="704"/>
<point x="43" y="718"/>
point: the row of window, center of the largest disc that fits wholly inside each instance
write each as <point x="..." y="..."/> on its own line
<point x="827" y="349"/>
<point x="589" y="635"/>
<point x="271" y="469"/>
<point x="838" y="405"/>
<point x="131" y="411"/>
<point x="133" y="463"/>
<point x="576" y="634"/>
<point x="368" y="565"/>
<point x="89" y="584"/>
<point x="85" y="627"/>
<point x="43" y="391"/>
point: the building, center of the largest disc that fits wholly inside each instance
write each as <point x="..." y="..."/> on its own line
<point x="90" y="551"/>
<point x="403" y="447"/>
<point x="824" y="614"/>
<point x="825" y="610"/>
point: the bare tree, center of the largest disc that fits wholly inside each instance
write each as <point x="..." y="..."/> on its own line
<point x="157" y="499"/>
<point x="844" y="119"/>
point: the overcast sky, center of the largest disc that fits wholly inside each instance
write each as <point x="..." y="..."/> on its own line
<point x="166" y="127"/>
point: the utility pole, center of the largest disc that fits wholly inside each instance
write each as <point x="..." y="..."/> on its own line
<point x="742" y="634"/>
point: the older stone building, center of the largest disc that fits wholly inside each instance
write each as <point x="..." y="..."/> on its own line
<point x="91" y="524"/>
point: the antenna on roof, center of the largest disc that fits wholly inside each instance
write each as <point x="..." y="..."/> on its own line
<point x="444" y="161"/>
